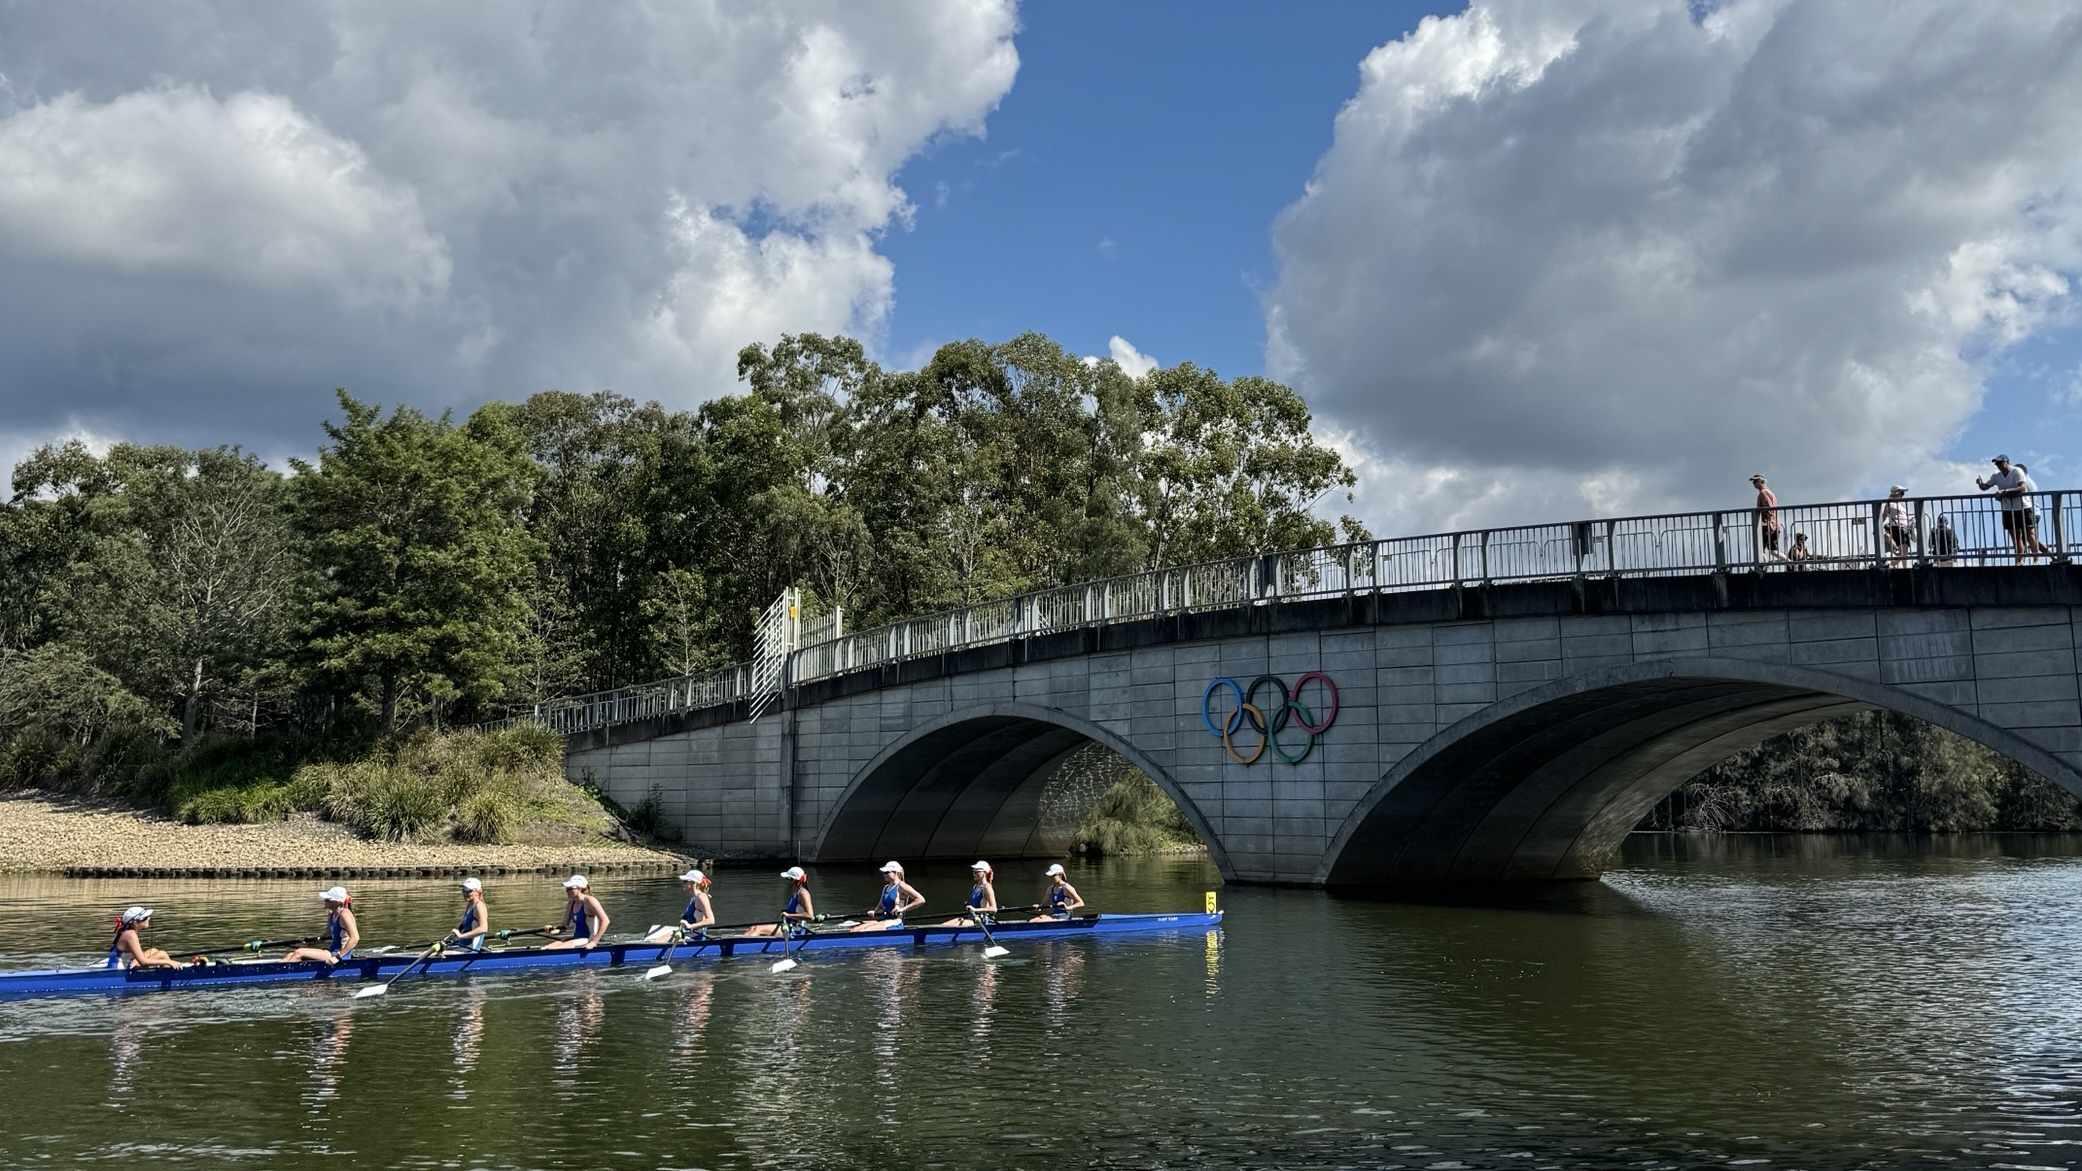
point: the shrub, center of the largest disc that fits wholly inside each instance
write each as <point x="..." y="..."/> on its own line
<point x="489" y="815"/>
<point x="236" y="804"/>
<point x="1133" y="817"/>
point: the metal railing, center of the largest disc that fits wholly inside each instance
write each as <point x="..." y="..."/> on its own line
<point x="1940" y="532"/>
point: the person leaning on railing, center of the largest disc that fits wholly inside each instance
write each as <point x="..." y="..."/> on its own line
<point x="2013" y="490"/>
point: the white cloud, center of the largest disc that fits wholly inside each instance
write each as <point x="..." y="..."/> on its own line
<point x="1566" y="258"/>
<point x="1133" y="362"/>
<point x="236" y="209"/>
<point x="246" y="188"/>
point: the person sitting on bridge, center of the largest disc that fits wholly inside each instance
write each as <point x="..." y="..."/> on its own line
<point x="695" y="918"/>
<point x="127" y="949"/>
<point x="1060" y="898"/>
<point x="583" y="914"/>
<point x="798" y="912"/>
<point x="1799" y="552"/>
<point x="898" y="897"/>
<point x="983" y="897"/>
<point x="1944" y="543"/>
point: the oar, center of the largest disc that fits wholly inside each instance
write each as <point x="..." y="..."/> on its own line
<point x="991" y="949"/>
<point x="380" y="989"/>
<point x="665" y="969"/>
<point x="257" y="945"/>
<point x="787" y="962"/>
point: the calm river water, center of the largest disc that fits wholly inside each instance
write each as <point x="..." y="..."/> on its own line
<point x="1767" y="1002"/>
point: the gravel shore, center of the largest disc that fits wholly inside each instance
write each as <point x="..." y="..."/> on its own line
<point x="64" y="836"/>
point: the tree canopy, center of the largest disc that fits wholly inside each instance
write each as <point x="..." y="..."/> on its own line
<point x="433" y="570"/>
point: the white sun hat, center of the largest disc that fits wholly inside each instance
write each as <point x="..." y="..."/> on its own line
<point x="473" y="884"/>
<point x="983" y="866"/>
<point x="333" y="894"/>
<point x="693" y="876"/>
<point x="137" y="914"/>
<point x="1053" y="870"/>
<point x="795" y="874"/>
<point x="892" y="868"/>
<point x="576" y="882"/>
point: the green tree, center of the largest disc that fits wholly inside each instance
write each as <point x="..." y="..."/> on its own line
<point x="415" y="527"/>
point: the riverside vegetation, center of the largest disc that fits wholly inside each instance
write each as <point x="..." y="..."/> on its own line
<point x="195" y="631"/>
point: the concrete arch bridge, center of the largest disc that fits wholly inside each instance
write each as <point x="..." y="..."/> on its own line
<point x="1460" y="708"/>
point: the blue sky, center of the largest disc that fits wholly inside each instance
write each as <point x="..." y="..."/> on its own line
<point x="1527" y="260"/>
<point x="1128" y="183"/>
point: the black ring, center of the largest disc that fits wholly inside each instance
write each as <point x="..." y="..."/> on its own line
<point x="1250" y="696"/>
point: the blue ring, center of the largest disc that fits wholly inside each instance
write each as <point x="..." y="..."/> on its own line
<point x="1235" y="720"/>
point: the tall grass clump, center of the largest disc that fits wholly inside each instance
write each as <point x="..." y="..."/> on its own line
<point x="1133" y="817"/>
<point x="467" y="786"/>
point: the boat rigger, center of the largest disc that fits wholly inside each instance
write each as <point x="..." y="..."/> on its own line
<point x="637" y="956"/>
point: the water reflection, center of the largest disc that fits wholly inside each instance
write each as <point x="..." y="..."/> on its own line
<point x="579" y="1018"/>
<point x="329" y="1040"/>
<point x="983" y="1000"/>
<point x="466" y="1040"/>
<point x="690" y="1035"/>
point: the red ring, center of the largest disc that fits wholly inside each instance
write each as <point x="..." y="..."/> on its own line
<point x="1330" y="716"/>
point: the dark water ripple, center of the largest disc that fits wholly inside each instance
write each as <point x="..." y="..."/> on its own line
<point x="1758" y="1003"/>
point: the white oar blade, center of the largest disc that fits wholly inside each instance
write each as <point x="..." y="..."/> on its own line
<point x="783" y="966"/>
<point x="660" y="970"/>
<point x="994" y="951"/>
<point x="371" y="990"/>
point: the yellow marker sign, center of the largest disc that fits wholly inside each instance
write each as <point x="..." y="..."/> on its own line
<point x="1210" y="902"/>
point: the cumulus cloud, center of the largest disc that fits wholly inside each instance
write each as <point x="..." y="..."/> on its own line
<point x="1133" y="362"/>
<point x="1577" y="256"/>
<point x="212" y="213"/>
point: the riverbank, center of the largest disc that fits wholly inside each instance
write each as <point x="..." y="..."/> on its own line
<point x="63" y="835"/>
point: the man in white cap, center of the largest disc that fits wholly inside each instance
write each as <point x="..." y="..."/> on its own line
<point x="798" y="912"/>
<point x="898" y="897"/>
<point x="1060" y="898"/>
<point x="696" y="917"/>
<point x="476" y="925"/>
<point x="2012" y="489"/>
<point x="583" y="914"/>
<point x="341" y="931"/>
<point x="127" y="949"/>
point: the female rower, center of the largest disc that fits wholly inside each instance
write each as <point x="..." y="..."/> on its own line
<point x="983" y="897"/>
<point x="1060" y="898"/>
<point x="898" y="897"/>
<point x="583" y="914"/>
<point x="475" y="927"/>
<point x="695" y="918"/>
<point x="127" y="949"/>
<point x="797" y="911"/>
<point x="341" y="932"/>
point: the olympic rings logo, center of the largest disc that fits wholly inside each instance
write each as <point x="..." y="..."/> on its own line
<point x="1268" y="720"/>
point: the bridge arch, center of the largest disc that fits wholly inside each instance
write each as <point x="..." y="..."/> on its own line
<point x="1547" y="784"/>
<point x="970" y="784"/>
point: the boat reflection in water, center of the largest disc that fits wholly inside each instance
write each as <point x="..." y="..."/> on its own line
<point x="328" y="1058"/>
<point x="578" y="1025"/>
<point x="467" y="1042"/>
<point x="691" y="1036"/>
<point x="894" y="981"/>
<point x="983" y="1000"/>
<point x="1061" y="981"/>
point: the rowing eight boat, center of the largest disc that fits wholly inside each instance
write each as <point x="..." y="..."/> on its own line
<point x="74" y="981"/>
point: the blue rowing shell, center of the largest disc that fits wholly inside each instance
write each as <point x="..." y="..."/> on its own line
<point x="78" y="981"/>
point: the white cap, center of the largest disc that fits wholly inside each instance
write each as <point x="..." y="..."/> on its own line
<point x="1053" y="870"/>
<point x="794" y="874"/>
<point x="137" y="914"/>
<point x="473" y="884"/>
<point x="892" y="868"/>
<point x="693" y="876"/>
<point x="334" y="894"/>
<point x="983" y="866"/>
<point x="576" y="882"/>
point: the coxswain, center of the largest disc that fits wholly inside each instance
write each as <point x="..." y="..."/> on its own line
<point x="797" y="911"/>
<point x="983" y="897"/>
<point x="341" y="932"/>
<point x="898" y="897"/>
<point x="1060" y="898"/>
<point x="583" y="914"/>
<point x="128" y="950"/>
<point x="695" y="918"/>
<point x="475" y="927"/>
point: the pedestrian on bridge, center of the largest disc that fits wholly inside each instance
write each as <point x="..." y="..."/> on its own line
<point x="1767" y="520"/>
